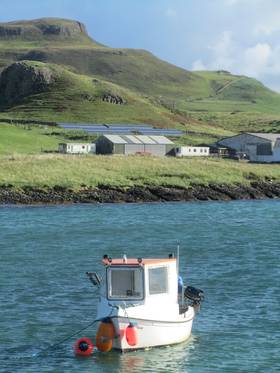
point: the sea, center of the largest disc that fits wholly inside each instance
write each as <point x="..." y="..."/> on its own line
<point x="230" y="250"/>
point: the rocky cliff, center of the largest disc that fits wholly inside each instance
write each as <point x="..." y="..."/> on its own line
<point x="22" y="79"/>
<point x="42" y="28"/>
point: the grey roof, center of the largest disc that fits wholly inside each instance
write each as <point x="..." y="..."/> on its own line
<point x="267" y="136"/>
<point x="161" y="140"/>
<point x="116" y="139"/>
<point x="133" y="139"/>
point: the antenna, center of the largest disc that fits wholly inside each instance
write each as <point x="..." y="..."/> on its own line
<point x="178" y="257"/>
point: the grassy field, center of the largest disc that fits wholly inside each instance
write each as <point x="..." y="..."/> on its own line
<point x="25" y="140"/>
<point x="34" y="139"/>
<point x="78" y="172"/>
<point x="27" y="158"/>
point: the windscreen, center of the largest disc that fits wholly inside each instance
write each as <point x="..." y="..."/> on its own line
<point x="125" y="283"/>
<point x="158" y="283"/>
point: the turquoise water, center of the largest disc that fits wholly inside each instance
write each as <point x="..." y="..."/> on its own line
<point x="230" y="250"/>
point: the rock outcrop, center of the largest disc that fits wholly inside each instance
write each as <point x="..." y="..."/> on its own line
<point x="41" y="28"/>
<point x="113" y="99"/>
<point x="109" y="194"/>
<point x="22" y="79"/>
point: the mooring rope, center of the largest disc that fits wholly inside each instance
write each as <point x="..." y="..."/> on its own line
<point x="66" y="338"/>
<point x="72" y="335"/>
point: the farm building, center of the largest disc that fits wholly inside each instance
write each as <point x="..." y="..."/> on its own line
<point x="267" y="153"/>
<point x="129" y="144"/>
<point x="258" y="147"/>
<point x="192" y="151"/>
<point x="76" y="148"/>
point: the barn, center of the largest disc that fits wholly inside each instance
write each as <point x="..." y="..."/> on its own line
<point x="132" y="144"/>
<point x="258" y="147"/>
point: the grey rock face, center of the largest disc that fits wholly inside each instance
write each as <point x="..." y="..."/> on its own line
<point x="70" y="30"/>
<point x="112" y="99"/>
<point x="20" y="80"/>
<point x="40" y="28"/>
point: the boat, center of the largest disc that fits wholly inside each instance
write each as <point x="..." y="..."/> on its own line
<point x="143" y="303"/>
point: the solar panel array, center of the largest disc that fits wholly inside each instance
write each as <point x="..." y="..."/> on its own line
<point x="121" y="129"/>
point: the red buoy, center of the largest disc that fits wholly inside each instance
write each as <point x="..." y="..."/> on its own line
<point x="131" y="334"/>
<point x="83" y="347"/>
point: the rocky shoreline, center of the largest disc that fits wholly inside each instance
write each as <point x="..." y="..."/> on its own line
<point x="137" y="194"/>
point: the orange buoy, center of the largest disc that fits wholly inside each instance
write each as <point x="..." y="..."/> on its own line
<point x="83" y="347"/>
<point x="105" y="335"/>
<point x="131" y="334"/>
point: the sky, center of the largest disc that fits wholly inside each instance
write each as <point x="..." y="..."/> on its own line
<point x="241" y="36"/>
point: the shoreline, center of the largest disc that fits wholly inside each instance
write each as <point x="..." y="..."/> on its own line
<point x="138" y="194"/>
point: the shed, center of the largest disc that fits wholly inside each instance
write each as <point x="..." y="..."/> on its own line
<point x="130" y="144"/>
<point x="259" y="147"/>
<point x="76" y="148"/>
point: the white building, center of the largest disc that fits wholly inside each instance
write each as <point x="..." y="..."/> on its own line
<point x="77" y="148"/>
<point x="192" y="151"/>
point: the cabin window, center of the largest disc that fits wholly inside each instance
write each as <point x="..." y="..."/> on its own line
<point x="125" y="283"/>
<point x="158" y="283"/>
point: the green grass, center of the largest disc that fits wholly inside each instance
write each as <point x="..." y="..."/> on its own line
<point x="26" y="140"/>
<point x="77" y="172"/>
<point x="78" y="98"/>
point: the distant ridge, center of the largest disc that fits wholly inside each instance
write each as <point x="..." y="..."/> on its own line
<point x="48" y="29"/>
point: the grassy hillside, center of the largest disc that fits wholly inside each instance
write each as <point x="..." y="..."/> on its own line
<point x="205" y="104"/>
<point x="77" y="97"/>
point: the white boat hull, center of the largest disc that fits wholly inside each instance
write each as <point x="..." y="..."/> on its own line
<point x="152" y="333"/>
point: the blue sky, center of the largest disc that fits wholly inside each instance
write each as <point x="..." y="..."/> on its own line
<point x="242" y="36"/>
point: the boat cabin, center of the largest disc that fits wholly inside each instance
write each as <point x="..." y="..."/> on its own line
<point x="139" y="279"/>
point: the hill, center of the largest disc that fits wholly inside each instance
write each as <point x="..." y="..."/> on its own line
<point x="86" y="74"/>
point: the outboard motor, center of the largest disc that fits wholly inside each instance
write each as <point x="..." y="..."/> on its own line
<point x="195" y="295"/>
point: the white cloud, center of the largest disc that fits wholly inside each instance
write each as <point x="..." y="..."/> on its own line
<point x="198" y="65"/>
<point x="257" y="59"/>
<point x="222" y="52"/>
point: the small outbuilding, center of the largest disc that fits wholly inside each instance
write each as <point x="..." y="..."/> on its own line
<point x="192" y="151"/>
<point x="77" y="148"/>
<point x="132" y="144"/>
